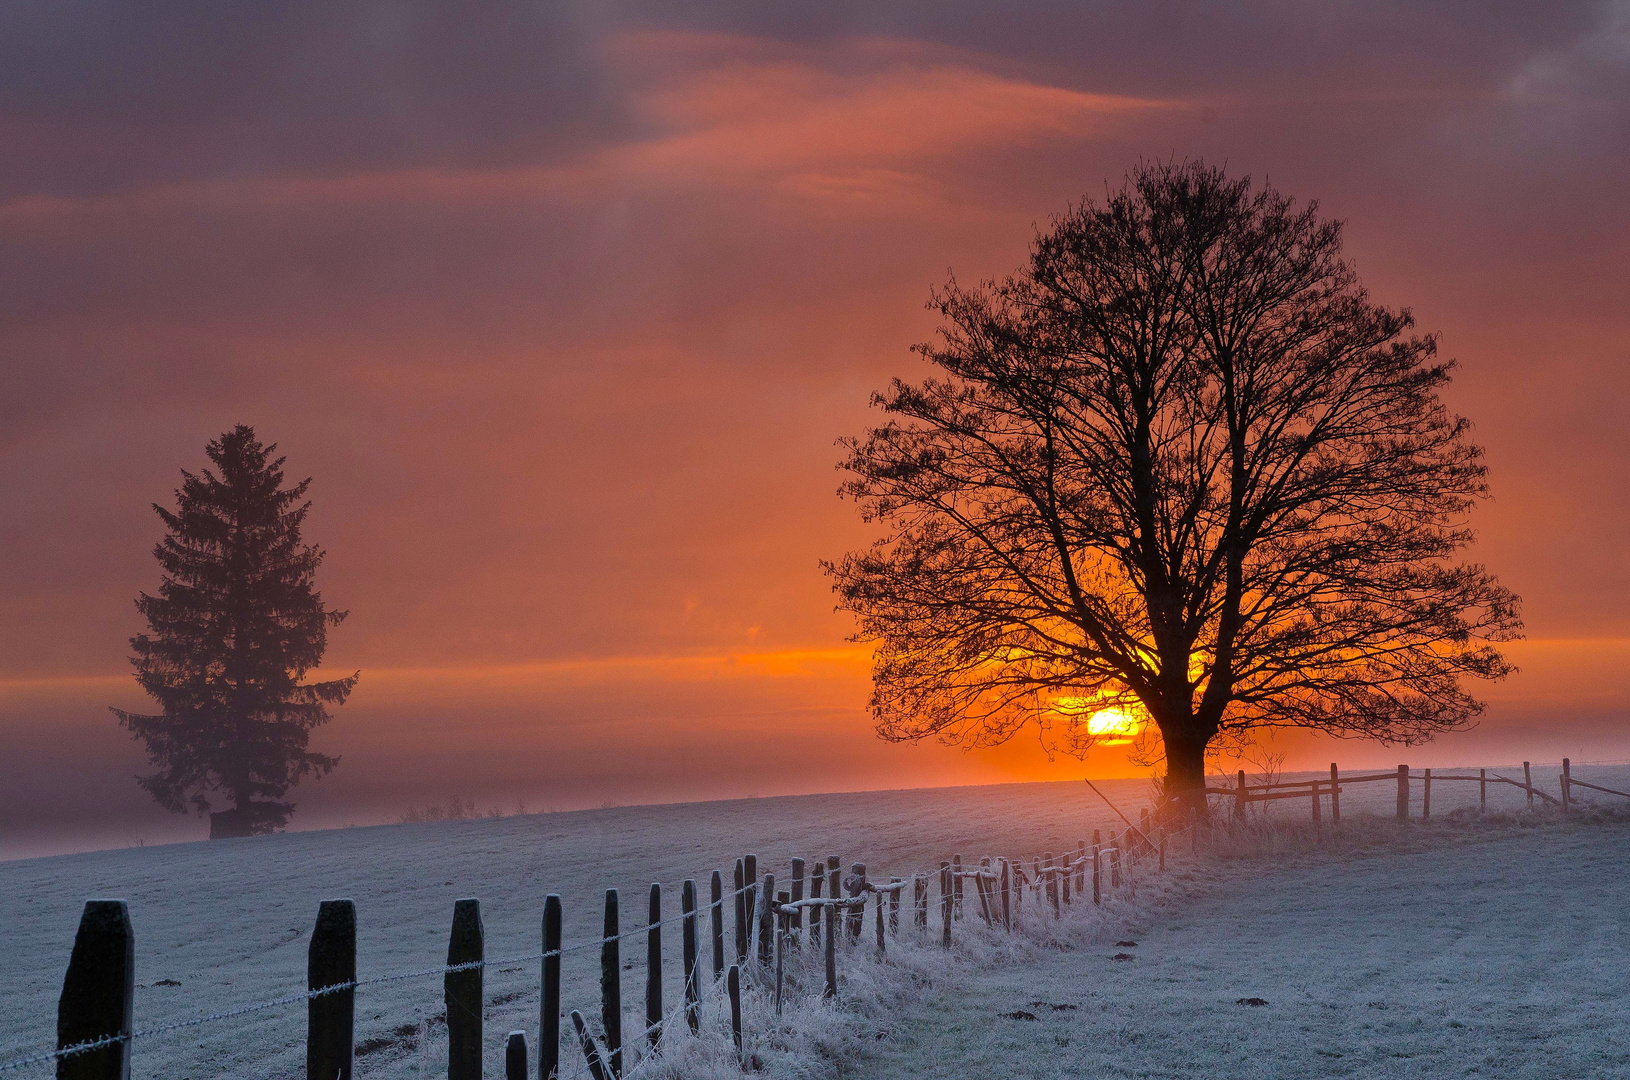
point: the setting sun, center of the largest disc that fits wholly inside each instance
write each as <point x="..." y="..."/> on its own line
<point x="1113" y="726"/>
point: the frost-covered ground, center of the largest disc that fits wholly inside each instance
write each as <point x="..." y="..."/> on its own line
<point x="1512" y="939"/>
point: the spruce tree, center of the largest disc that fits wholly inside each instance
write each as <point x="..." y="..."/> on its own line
<point x="235" y="627"/>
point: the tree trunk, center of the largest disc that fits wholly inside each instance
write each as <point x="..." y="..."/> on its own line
<point x="1186" y="772"/>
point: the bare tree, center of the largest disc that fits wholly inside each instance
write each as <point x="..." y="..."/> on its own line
<point x="1182" y="463"/>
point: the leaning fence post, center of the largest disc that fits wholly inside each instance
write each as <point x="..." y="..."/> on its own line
<point x="591" y="1053"/>
<point x="693" y="987"/>
<point x="463" y="992"/>
<point x="653" y="969"/>
<point x="1567" y="781"/>
<point x="716" y="918"/>
<point x="1528" y="784"/>
<point x="733" y="985"/>
<point x="331" y="960"/>
<point x="1426" y="795"/>
<point x="611" y="986"/>
<point x="549" y="1011"/>
<point x="945" y="903"/>
<point x="1403" y="793"/>
<point x="515" y="1056"/>
<point x="98" y="994"/>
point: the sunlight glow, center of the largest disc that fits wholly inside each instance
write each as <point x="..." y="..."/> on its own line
<point x="1112" y="726"/>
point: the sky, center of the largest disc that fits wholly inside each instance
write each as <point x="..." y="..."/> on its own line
<point x="564" y="305"/>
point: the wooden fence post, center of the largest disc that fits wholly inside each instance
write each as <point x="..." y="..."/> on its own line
<point x="1065" y="874"/>
<point x="895" y="885"/>
<point x="945" y="903"/>
<point x="653" y="969"/>
<point x="919" y="902"/>
<point x="1007" y="895"/>
<point x="549" y="1011"/>
<point x="783" y="934"/>
<point x="741" y="913"/>
<point x="463" y="992"/>
<point x="1528" y="784"/>
<point x="1426" y="795"/>
<point x="591" y="1053"/>
<point x="733" y="984"/>
<point x="829" y="913"/>
<point x="331" y="960"/>
<point x="956" y="886"/>
<point x="716" y="919"/>
<point x="1097" y="853"/>
<point x="881" y="900"/>
<point x="1403" y="793"/>
<point x="833" y="882"/>
<point x="1317" y="820"/>
<point x="1567" y="781"/>
<point x="1335" y="796"/>
<point x="1482" y="790"/>
<point x="796" y="922"/>
<point x="611" y="986"/>
<point x="766" y="922"/>
<point x="98" y="994"/>
<point x="1080" y="866"/>
<point x="816" y="881"/>
<point x="1240" y="797"/>
<point x="693" y="983"/>
<point x="1116" y="842"/>
<point x="515" y="1056"/>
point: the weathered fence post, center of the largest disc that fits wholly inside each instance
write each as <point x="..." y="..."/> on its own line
<point x="463" y="992"/>
<point x="653" y="969"/>
<point x="331" y="960"/>
<point x="766" y="922"/>
<point x="1065" y="873"/>
<point x="783" y="934"/>
<point x="716" y="920"/>
<point x="834" y="866"/>
<point x="693" y="983"/>
<point x="986" y="911"/>
<point x="817" y="881"/>
<point x="98" y="994"/>
<point x="1482" y="790"/>
<point x="549" y="1011"/>
<point x="919" y="902"/>
<point x="1097" y="859"/>
<point x="1240" y="797"/>
<point x="854" y="919"/>
<point x="1335" y="797"/>
<point x="611" y="986"/>
<point x="1426" y="795"/>
<point x="733" y="985"/>
<point x="1080" y="866"/>
<point x="945" y="903"/>
<point x="1567" y="781"/>
<point x="956" y="886"/>
<point x="741" y="912"/>
<point x="591" y="1053"/>
<point x="1403" y="793"/>
<point x="1528" y="784"/>
<point x="796" y="922"/>
<point x="515" y="1056"/>
<point x="881" y="900"/>
<point x="829" y="913"/>
<point x="1007" y="896"/>
<point x="895" y="885"/>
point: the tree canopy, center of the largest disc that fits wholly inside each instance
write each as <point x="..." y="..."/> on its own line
<point x="1181" y="463"/>
<point x="236" y="625"/>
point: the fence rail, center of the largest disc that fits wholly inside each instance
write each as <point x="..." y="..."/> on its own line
<point x="96" y="1034"/>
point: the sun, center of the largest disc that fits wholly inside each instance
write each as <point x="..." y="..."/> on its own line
<point x="1114" y="726"/>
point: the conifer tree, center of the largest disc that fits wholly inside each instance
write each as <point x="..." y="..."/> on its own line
<point x="235" y="627"/>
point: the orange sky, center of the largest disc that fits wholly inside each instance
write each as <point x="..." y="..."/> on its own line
<point x="564" y="320"/>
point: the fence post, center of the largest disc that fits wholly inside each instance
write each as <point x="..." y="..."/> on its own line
<point x="1482" y="790"/>
<point x="611" y="986"/>
<point x="733" y="984"/>
<point x="741" y="912"/>
<point x="716" y="921"/>
<point x="945" y="903"/>
<point x="1239" y="797"/>
<point x="331" y="960"/>
<point x="895" y="885"/>
<point x="1426" y="795"/>
<point x="766" y="922"/>
<point x="1528" y="784"/>
<point x="1080" y="866"/>
<point x="956" y="886"/>
<point x="1335" y="796"/>
<point x="783" y="934"/>
<point x="693" y="986"/>
<point x="549" y="1011"/>
<point x="829" y="913"/>
<point x="1403" y="793"/>
<point x="833" y="882"/>
<point x="795" y="923"/>
<point x="463" y="992"/>
<point x="1567" y="780"/>
<point x="1116" y="842"/>
<point x="816" y="880"/>
<point x="1317" y="820"/>
<point x="919" y="902"/>
<point x="1065" y="873"/>
<point x="591" y="1053"/>
<point x="515" y="1056"/>
<point x="1007" y="895"/>
<point x="1097" y="853"/>
<point x="881" y="900"/>
<point x="98" y="994"/>
<point x="653" y="969"/>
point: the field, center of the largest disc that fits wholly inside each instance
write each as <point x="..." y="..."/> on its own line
<point x="1458" y="956"/>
